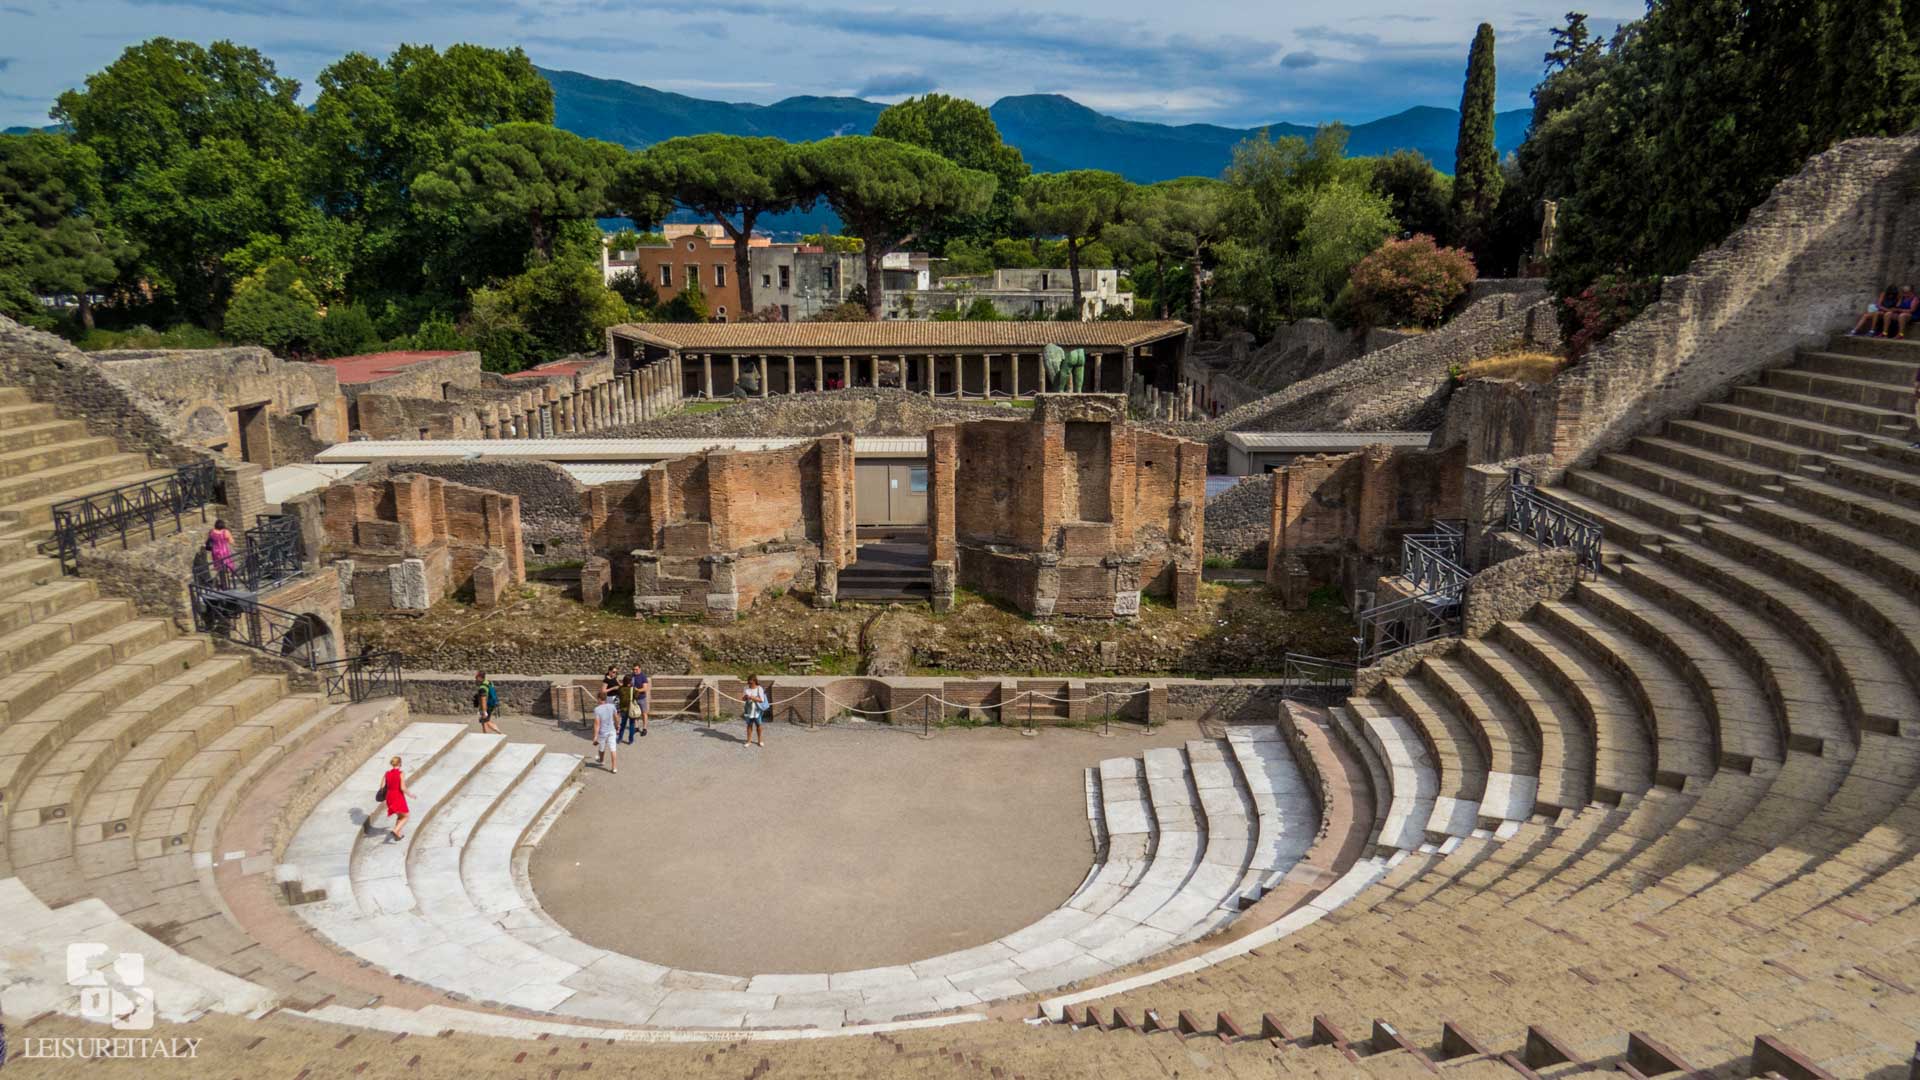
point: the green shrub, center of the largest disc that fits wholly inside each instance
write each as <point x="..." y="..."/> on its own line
<point x="1408" y="282"/>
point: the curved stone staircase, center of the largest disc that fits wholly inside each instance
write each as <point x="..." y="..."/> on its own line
<point x="1629" y="832"/>
<point x="1185" y="836"/>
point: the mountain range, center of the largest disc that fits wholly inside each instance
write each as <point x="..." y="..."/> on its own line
<point x="1053" y="132"/>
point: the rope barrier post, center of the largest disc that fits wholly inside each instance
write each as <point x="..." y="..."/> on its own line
<point x="1106" y="719"/>
<point x="926" y="716"/>
<point x="819" y="703"/>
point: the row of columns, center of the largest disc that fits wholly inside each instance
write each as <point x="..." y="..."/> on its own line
<point x="639" y="394"/>
<point x="868" y="374"/>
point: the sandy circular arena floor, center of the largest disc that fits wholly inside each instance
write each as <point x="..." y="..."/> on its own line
<point x="827" y="851"/>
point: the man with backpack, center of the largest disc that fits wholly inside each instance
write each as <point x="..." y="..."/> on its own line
<point x="486" y="698"/>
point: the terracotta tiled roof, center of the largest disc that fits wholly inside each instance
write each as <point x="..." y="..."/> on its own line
<point x="897" y="335"/>
<point x="558" y="367"/>
<point x="369" y="366"/>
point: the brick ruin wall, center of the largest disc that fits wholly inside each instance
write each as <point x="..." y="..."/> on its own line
<point x="408" y="542"/>
<point x="550" y="500"/>
<point x="1072" y="512"/>
<point x="1329" y="508"/>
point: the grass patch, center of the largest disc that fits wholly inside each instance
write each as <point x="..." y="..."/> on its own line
<point x="1524" y="366"/>
<point x="696" y="408"/>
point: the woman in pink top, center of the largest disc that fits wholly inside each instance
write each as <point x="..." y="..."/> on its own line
<point x="220" y="550"/>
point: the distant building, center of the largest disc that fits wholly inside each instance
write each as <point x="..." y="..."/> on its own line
<point x="691" y="251"/>
<point x="1016" y="294"/>
<point x="802" y="280"/>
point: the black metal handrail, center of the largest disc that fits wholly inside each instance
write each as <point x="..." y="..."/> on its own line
<point x="1315" y="678"/>
<point x="269" y="556"/>
<point x="1387" y="628"/>
<point x="240" y="618"/>
<point x="125" y="510"/>
<point x="362" y="676"/>
<point x="1431" y="561"/>
<point x="1550" y="524"/>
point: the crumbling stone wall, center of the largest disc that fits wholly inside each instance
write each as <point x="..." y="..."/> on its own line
<point x="407" y="542"/>
<point x="1072" y="512"/>
<point x="1359" y="502"/>
<point x="204" y="389"/>
<point x="54" y="372"/>
<point x="719" y="529"/>
<point x="1801" y="267"/>
<point x="1239" y="522"/>
<point x="550" y="500"/>
<point x="858" y="411"/>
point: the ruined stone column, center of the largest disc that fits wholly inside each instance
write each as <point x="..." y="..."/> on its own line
<point x="1126" y="369"/>
<point x="793" y="384"/>
<point x="706" y="368"/>
<point x="873" y="372"/>
<point x="643" y="393"/>
<point x="1097" y="357"/>
<point x="933" y="373"/>
<point x="819" y="372"/>
<point x="733" y="364"/>
<point x="1013" y="375"/>
<point x="766" y="375"/>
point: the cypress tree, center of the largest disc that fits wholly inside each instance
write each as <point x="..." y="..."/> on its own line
<point x="1476" y="168"/>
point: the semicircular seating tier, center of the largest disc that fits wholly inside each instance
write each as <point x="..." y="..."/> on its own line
<point x="1655" y="820"/>
<point x="1185" y="837"/>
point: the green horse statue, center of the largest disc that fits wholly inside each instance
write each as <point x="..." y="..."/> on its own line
<point x="1066" y="371"/>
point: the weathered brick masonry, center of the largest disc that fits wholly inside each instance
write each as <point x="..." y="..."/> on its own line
<point x="1072" y="512"/>
<point x="406" y="543"/>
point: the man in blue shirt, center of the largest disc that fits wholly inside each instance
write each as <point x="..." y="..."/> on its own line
<point x="640" y="710"/>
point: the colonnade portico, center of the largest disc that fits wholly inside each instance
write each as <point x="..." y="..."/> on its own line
<point x="968" y="375"/>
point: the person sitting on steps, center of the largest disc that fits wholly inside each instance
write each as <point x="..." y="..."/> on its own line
<point x="1893" y="321"/>
<point x="1870" y="318"/>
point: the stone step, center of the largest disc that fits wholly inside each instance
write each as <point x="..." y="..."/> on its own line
<point x="1616" y="732"/>
<point x="1413" y="778"/>
<point x="98" y="471"/>
<point x="1619" y="527"/>
<point x="1513" y="759"/>
<point x="175" y="810"/>
<point x="17" y="414"/>
<point x="317" y="863"/>
<point x="1458" y="760"/>
<point x="1740" y="717"/>
<point x="1348" y="728"/>
<point x="1778" y="427"/>
<point x="379" y="868"/>
<point x="1286" y="811"/>
<point x="1804" y="705"/>
<point x="28" y="573"/>
<point x="57" y="630"/>
<point x="1895" y="563"/>
<point x="1848" y="506"/>
<point x="35" y="510"/>
<point x="1728" y="472"/>
<point x="1856" y="366"/>
<point x="1866" y="419"/>
<point x="1669" y="514"/>
<point x="1873" y="477"/>
<point x="1905" y="351"/>
<point x="1874" y="620"/>
<point x="1740" y="445"/>
<point x="1871" y="393"/>
<point x="1566" y="756"/>
<point x="1683" y="742"/>
<point x="23" y="608"/>
<point x="52" y="455"/>
<point x="1679" y="485"/>
<point x="46" y="433"/>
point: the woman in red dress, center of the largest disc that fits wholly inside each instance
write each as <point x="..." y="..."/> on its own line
<point x="396" y="790"/>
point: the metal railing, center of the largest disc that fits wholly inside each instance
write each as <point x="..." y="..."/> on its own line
<point x="126" y="510"/>
<point x="363" y="676"/>
<point x="241" y="619"/>
<point x="1550" y="524"/>
<point x="1432" y="561"/>
<point x="1315" y="679"/>
<point x="1387" y="628"/>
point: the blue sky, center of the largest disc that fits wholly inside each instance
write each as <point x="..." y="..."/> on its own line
<point x="1237" y="62"/>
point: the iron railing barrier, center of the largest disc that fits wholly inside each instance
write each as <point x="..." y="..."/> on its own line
<point x="240" y="618"/>
<point x="124" y="511"/>
<point x="1315" y="679"/>
<point x="363" y="676"/>
<point x="1550" y="524"/>
<point x="268" y="557"/>
<point x="1387" y="628"/>
<point x="1432" y="562"/>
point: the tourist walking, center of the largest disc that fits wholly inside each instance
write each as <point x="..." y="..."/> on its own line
<point x="393" y="790"/>
<point x="754" y="712"/>
<point x="606" y="732"/>
<point x="642" y="698"/>
<point x="220" y="552"/>
<point x="486" y="697"/>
